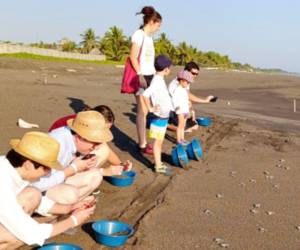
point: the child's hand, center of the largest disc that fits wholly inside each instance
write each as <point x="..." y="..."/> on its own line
<point x="127" y="165"/>
<point x="208" y="98"/>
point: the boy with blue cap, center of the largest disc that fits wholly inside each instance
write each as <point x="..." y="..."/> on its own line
<point x="158" y="102"/>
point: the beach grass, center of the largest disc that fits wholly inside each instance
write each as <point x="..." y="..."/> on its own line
<point x="56" y="59"/>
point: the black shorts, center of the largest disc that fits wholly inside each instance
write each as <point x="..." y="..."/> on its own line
<point x="148" y="79"/>
<point x="174" y="121"/>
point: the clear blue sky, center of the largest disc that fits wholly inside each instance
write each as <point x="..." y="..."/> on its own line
<point x="264" y="33"/>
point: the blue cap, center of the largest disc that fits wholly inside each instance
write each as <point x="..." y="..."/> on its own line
<point x="161" y="62"/>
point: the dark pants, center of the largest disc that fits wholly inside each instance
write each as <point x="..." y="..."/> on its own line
<point x="148" y="79"/>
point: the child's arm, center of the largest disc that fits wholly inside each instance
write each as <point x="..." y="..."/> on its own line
<point x="146" y="97"/>
<point x="196" y="99"/>
<point x="149" y="106"/>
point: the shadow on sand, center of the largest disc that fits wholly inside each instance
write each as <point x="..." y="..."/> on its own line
<point x="77" y="104"/>
<point x="125" y="143"/>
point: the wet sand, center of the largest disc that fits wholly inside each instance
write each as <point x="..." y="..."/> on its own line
<point x="244" y="194"/>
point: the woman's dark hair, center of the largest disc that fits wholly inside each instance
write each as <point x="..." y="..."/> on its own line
<point x="106" y="112"/>
<point x="17" y="160"/>
<point x="150" y="14"/>
<point x="191" y="65"/>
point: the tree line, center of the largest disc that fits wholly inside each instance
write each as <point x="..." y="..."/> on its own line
<point x="115" y="46"/>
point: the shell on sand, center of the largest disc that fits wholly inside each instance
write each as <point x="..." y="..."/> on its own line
<point x="23" y="124"/>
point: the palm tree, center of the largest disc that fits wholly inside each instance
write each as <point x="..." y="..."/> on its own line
<point x="114" y="44"/>
<point x="89" y="40"/>
<point x="186" y="53"/>
<point x="163" y="46"/>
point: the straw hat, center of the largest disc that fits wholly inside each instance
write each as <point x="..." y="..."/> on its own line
<point x="91" y="126"/>
<point x="38" y="147"/>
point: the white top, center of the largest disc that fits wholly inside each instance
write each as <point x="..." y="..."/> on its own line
<point x="159" y="95"/>
<point x="148" y="52"/>
<point x="12" y="215"/>
<point x="180" y="99"/>
<point x="66" y="154"/>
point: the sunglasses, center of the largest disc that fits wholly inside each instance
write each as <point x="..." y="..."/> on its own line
<point x="194" y="73"/>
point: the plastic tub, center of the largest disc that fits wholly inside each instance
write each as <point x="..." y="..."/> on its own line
<point x="60" y="246"/>
<point x="179" y="156"/>
<point x="194" y="150"/>
<point x="112" y="233"/>
<point x="124" y="180"/>
<point x="204" y="121"/>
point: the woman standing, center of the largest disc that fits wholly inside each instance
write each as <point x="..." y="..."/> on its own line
<point x="142" y="54"/>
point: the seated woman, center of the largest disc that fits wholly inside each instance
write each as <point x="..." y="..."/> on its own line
<point x="104" y="153"/>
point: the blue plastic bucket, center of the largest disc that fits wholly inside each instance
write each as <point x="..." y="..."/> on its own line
<point x="60" y="246"/>
<point x="124" y="180"/>
<point x="179" y="156"/>
<point x="204" y="121"/>
<point x="194" y="150"/>
<point x="112" y="233"/>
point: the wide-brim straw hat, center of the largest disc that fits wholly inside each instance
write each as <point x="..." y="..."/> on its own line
<point x="38" y="147"/>
<point x="91" y="126"/>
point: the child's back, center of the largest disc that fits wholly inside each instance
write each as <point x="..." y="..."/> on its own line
<point x="159" y="96"/>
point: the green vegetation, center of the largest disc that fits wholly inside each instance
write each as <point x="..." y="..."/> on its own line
<point x="56" y="59"/>
<point x="116" y="47"/>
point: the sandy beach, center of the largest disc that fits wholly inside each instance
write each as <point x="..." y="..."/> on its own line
<point x="244" y="194"/>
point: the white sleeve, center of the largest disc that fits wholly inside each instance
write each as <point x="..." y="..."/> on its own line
<point x="45" y="206"/>
<point x="138" y="37"/>
<point x="176" y="97"/>
<point x="20" y="224"/>
<point x="46" y="182"/>
<point x="150" y="90"/>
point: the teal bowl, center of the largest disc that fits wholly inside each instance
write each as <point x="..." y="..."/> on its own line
<point x="60" y="246"/>
<point x="126" y="179"/>
<point x="112" y="233"/>
<point x="204" y="121"/>
<point x="194" y="150"/>
<point x="179" y="156"/>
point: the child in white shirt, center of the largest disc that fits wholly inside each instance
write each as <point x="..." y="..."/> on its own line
<point x="180" y="99"/>
<point x="158" y="102"/>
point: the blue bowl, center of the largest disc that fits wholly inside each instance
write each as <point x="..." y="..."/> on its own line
<point x="60" y="246"/>
<point x="204" y="121"/>
<point x="194" y="150"/>
<point x="124" y="180"/>
<point x="179" y="156"/>
<point x="106" y="232"/>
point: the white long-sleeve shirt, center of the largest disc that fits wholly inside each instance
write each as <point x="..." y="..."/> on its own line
<point x="12" y="215"/>
<point x="67" y="150"/>
<point x="159" y="95"/>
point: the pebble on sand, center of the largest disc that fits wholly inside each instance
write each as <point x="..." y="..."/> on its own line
<point x="219" y="195"/>
<point x="224" y="245"/>
<point x="261" y="229"/>
<point x="218" y="240"/>
<point x="270" y="212"/>
<point x="256" y="205"/>
<point x="254" y="211"/>
<point x="207" y="211"/>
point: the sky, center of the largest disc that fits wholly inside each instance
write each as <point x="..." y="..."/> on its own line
<point x="263" y="33"/>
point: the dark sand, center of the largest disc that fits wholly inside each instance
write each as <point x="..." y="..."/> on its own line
<point x="210" y="200"/>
